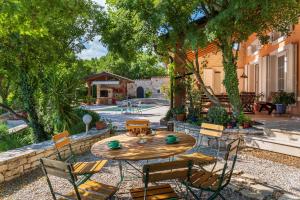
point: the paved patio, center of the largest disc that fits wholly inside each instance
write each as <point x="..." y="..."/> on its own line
<point x="153" y="115"/>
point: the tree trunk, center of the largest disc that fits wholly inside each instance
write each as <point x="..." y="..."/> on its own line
<point x="231" y="81"/>
<point x="10" y="110"/>
<point x="27" y="92"/>
<point x="180" y="90"/>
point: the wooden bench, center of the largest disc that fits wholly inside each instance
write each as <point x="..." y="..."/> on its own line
<point x="138" y="126"/>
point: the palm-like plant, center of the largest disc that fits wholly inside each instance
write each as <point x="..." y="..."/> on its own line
<point x="61" y="97"/>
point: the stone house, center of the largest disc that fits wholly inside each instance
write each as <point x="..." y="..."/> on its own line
<point x="263" y="69"/>
<point x="140" y="87"/>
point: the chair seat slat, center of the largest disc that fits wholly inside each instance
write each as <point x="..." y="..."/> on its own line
<point x="166" y="166"/>
<point x="212" y="126"/>
<point x="154" y="193"/>
<point x="211" y="133"/>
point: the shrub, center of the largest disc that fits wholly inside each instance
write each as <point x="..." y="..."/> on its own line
<point x="169" y="115"/>
<point x="3" y="130"/>
<point x="79" y="126"/>
<point x="15" y="140"/>
<point x="179" y="110"/>
<point x="148" y="94"/>
<point x="285" y="98"/>
<point x="217" y="115"/>
<point x="242" y="118"/>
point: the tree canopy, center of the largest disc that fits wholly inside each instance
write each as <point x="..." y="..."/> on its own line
<point x="37" y="37"/>
<point x="174" y="28"/>
<point x="142" y="67"/>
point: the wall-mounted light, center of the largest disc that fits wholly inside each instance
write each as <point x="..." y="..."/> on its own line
<point x="244" y="75"/>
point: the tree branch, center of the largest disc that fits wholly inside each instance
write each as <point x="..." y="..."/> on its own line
<point x="10" y="110"/>
<point x="199" y="79"/>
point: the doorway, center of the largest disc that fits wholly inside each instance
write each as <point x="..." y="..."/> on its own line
<point x="140" y="92"/>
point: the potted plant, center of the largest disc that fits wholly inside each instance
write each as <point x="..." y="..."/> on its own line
<point x="179" y="113"/>
<point x="112" y="128"/>
<point x="282" y="99"/>
<point x="231" y="122"/>
<point x="244" y="121"/>
<point x="256" y="101"/>
<point x="101" y="124"/>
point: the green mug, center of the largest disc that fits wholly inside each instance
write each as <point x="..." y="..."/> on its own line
<point x="113" y="144"/>
<point x="171" y="138"/>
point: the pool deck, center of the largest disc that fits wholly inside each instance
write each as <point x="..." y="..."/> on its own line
<point x="152" y="114"/>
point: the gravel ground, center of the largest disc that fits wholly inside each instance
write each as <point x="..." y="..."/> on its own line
<point x="280" y="176"/>
<point x="34" y="185"/>
<point x="275" y="157"/>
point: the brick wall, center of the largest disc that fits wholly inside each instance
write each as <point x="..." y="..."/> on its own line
<point x="16" y="162"/>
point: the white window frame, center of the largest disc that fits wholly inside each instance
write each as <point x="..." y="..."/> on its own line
<point x="283" y="53"/>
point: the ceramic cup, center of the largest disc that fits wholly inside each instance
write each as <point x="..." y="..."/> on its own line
<point x="171" y="138"/>
<point x="113" y="144"/>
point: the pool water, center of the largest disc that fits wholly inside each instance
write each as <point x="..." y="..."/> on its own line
<point x="116" y="108"/>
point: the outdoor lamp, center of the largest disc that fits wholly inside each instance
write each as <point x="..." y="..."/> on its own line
<point x="87" y="120"/>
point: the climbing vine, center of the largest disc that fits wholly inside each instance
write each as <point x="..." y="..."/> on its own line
<point x="231" y="81"/>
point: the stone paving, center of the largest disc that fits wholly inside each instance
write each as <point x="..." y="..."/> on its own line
<point x="153" y="115"/>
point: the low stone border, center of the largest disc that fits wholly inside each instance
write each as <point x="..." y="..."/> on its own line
<point x="16" y="162"/>
<point x="228" y="134"/>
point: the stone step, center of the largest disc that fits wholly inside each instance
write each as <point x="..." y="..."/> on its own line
<point x="274" y="144"/>
<point x="289" y="136"/>
<point x="284" y="133"/>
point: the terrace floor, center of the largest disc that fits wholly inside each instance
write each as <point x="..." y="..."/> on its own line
<point x="278" y="177"/>
<point x="277" y="171"/>
<point x="153" y="114"/>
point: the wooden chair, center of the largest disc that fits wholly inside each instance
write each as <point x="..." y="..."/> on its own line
<point x="180" y="170"/>
<point x="215" y="180"/>
<point x="88" y="190"/>
<point x="62" y="144"/>
<point x="207" y="130"/>
<point x="138" y="126"/>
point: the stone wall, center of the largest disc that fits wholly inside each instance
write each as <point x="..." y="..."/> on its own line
<point x="154" y="85"/>
<point x="16" y="162"/>
<point x="228" y="134"/>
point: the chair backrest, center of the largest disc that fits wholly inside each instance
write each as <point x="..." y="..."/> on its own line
<point x="137" y="126"/>
<point x="181" y="169"/>
<point x="59" y="169"/>
<point x="231" y="154"/>
<point x="211" y="130"/>
<point x="62" y="140"/>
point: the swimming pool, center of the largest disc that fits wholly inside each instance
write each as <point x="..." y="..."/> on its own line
<point x="116" y="108"/>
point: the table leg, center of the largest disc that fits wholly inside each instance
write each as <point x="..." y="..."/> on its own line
<point x="121" y="172"/>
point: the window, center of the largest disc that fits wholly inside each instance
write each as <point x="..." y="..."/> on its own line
<point x="103" y="93"/>
<point x="275" y="36"/>
<point x="281" y="73"/>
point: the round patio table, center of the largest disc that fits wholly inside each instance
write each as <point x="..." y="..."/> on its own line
<point x="154" y="148"/>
